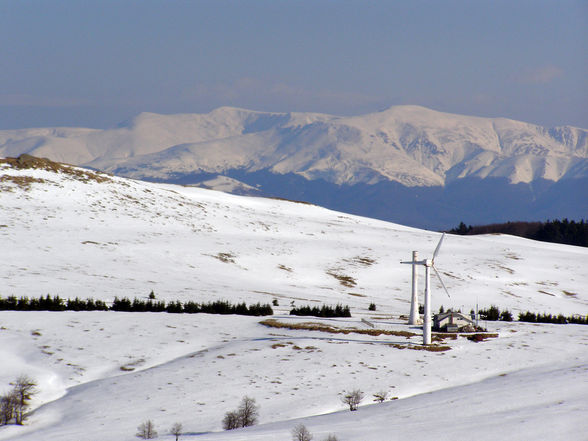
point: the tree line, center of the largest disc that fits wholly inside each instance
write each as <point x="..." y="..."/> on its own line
<point x="557" y="231"/>
<point x="56" y="303"/>
<point x="494" y="314"/>
<point x="560" y="319"/>
<point x="323" y="311"/>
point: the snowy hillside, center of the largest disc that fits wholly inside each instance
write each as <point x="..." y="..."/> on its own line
<point x="73" y="232"/>
<point x="105" y="237"/>
<point x="406" y="164"/>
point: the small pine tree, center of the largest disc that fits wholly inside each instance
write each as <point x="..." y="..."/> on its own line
<point x="506" y="316"/>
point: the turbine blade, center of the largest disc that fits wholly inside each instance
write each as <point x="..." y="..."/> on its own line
<point x="438" y="246"/>
<point x="441" y="280"/>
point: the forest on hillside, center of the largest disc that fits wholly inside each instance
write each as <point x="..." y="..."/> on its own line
<point x="557" y="231"/>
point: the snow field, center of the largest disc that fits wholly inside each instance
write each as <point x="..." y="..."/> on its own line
<point x="101" y="374"/>
<point x="118" y="369"/>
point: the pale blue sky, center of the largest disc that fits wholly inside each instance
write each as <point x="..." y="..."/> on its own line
<point x="97" y="63"/>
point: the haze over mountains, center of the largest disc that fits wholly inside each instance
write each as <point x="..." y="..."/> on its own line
<point x="407" y="164"/>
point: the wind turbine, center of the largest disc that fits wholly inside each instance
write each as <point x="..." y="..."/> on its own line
<point x="427" y="263"/>
<point x="413" y="318"/>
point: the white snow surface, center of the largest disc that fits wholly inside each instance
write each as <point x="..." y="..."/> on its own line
<point x="227" y="185"/>
<point x="412" y="145"/>
<point x="101" y="374"/>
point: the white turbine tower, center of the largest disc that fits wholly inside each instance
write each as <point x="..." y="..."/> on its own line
<point x="413" y="318"/>
<point x="427" y="263"/>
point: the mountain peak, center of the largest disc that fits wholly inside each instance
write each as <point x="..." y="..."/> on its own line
<point x="408" y="144"/>
<point x="407" y="108"/>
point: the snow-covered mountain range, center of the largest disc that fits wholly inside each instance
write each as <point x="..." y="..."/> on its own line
<point x="404" y="149"/>
<point x="73" y="232"/>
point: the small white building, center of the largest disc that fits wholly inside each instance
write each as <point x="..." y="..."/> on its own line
<point x="451" y="321"/>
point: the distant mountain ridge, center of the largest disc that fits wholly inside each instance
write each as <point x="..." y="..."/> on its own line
<point x="418" y="148"/>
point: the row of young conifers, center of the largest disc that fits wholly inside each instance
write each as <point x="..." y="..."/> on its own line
<point x="56" y="303"/>
<point x="494" y="314"/>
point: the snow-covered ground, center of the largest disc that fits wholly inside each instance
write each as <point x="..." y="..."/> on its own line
<point x="101" y="374"/>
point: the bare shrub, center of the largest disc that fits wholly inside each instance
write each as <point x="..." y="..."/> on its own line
<point x="231" y="421"/>
<point x="353" y="398"/>
<point x="331" y="437"/>
<point x="176" y="430"/>
<point x="14" y="404"/>
<point x="301" y="433"/>
<point x="8" y="403"/>
<point x="380" y="396"/>
<point x="246" y="415"/>
<point x="146" y="430"/>
<point x="248" y="412"/>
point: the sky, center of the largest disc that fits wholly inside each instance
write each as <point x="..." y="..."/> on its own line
<point x="98" y="63"/>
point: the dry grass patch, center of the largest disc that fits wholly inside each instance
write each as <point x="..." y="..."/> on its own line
<point x="356" y="294"/>
<point x="24" y="182"/>
<point x="361" y="260"/>
<point x="25" y="161"/>
<point x="127" y="369"/>
<point x="429" y="348"/>
<point x="290" y="200"/>
<point x="344" y="280"/>
<point x="547" y="283"/>
<point x="479" y="337"/>
<point x="314" y="326"/>
<point x="519" y="284"/>
<point x="509" y="293"/>
<point x="545" y="292"/>
<point x="441" y="337"/>
<point x="225" y="257"/>
<point x="505" y="268"/>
